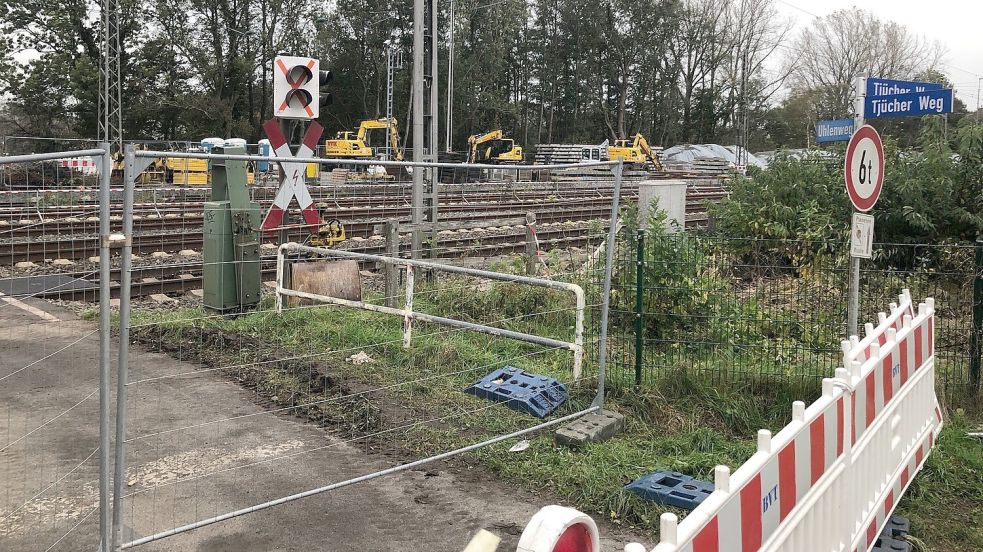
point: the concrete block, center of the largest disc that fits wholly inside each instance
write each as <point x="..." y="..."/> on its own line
<point x="592" y="428"/>
<point x="197" y="292"/>
<point x="187" y="253"/>
<point x="160" y="255"/>
<point x="25" y="264"/>
<point x="63" y="262"/>
<point x="94" y="260"/>
<point x="667" y="195"/>
<point x="161" y="298"/>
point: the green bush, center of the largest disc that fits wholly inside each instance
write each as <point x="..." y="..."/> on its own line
<point x="930" y="195"/>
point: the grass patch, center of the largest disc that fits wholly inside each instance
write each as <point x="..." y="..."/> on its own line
<point x="411" y="401"/>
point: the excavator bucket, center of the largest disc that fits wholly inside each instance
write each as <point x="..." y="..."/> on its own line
<point x="340" y="279"/>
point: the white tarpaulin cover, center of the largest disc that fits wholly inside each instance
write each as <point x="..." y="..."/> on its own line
<point x="684" y="155"/>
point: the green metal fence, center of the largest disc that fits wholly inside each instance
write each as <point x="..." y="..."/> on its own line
<point x="767" y="311"/>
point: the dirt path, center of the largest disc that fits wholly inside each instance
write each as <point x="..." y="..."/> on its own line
<point x="180" y="470"/>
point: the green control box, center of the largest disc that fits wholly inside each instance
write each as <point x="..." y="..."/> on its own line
<point x="231" y="272"/>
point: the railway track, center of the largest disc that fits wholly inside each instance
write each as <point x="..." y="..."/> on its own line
<point x="184" y="276"/>
<point x="176" y="228"/>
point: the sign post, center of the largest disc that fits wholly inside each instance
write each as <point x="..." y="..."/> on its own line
<point x="863" y="173"/>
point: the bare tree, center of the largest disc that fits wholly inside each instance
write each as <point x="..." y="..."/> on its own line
<point x="852" y="43"/>
<point x="757" y="31"/>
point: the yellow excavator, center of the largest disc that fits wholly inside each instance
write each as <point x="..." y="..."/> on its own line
<point x="493" y="147"/>
<point x="355" y="145"/>
<point x="634" y="152"/>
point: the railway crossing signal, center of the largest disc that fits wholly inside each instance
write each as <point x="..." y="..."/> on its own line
<point x="296" y="87"/>
<point x="294" y="173"/>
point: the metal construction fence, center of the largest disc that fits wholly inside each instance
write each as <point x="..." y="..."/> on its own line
<point x="90" y="250"/>
<point x="357" y="373"/>
<point x="55" y="368"/>
<point x="756" y="311"/>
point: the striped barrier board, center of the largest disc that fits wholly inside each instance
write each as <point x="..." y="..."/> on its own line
<point x="85" y="164"/>
<point x="830" y="479"/>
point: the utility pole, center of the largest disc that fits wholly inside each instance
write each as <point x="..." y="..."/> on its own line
<point x="416" y="215"/>
<point x="424" y="117"/>
<point x="433" y="144"/>
<point x="450" y="82"/>
<point x="979" y="82"/>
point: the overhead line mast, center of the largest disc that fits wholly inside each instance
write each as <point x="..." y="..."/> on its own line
<point x="110" y="111"/>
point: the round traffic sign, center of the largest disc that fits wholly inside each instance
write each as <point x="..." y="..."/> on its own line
<point x="864" y="168"/>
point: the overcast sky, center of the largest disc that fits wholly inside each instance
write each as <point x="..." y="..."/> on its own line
<point x="957" y="24"/>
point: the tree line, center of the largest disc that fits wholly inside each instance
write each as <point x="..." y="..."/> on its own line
<point x="679" y="71"/>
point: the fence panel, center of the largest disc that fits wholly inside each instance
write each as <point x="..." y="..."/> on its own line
<point x="195" y="453"/>
<point x="728" y="309"/>
<point x="54" y="348"/>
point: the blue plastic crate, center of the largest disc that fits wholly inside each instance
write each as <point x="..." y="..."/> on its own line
<point x="520" y="390"/>
<point x="672" y="489"/>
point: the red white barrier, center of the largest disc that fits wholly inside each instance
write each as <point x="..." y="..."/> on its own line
<point x="559" y="529"/>
<point x="84" y="164"/>
<point x="831" y="477"/>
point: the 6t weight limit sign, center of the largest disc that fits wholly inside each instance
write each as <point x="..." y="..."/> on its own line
<point x="864" y="168"/>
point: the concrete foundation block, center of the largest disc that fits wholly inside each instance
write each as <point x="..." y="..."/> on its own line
<point x="667" y="195"/>
<point x="592" y="428"/>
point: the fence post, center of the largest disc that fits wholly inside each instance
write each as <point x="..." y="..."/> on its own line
<point x="104" y="344"/>
<point x="531" y="246"/>
<point x="130" y="174"/>
<point x="639" y="287"/>
<point x="602" y="355"/>
<point x="408" y="307"/>
<point x="977" y="333"/>
<point x="390" y="270"/>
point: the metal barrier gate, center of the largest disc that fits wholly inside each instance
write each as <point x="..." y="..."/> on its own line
<point x="150" y="510"/>
<point x="829" y="480"/>
<point x="55" y="394"/>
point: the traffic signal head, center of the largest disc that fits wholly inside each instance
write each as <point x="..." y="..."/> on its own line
<point x="324" y="78"/>
<point x="295" y="88"/>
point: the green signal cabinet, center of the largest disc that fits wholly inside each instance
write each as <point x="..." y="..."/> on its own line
<point x="231" y="272"/>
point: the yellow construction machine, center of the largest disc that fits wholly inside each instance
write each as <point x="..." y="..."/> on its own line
<point x="493" y="147"/>
<point x="634" y="152"/>
<point x="356" y="145"/>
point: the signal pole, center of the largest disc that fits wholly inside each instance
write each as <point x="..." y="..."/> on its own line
<point x="450" y="81"/>
<point x="416" y="213"/>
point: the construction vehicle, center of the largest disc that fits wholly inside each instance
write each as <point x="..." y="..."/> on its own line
<point x="356" y="145"/>
<point x="635" y="152"/>
<point x="493" y="147"/>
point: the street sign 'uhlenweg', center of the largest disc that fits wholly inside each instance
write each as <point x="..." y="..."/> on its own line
<point x="928" y="102"/>
<point x="834" y="131"/>
<point x="890" y="87"/>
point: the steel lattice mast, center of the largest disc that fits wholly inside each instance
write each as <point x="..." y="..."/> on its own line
<point x="110" y="118"/>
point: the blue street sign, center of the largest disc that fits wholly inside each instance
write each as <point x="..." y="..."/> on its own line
<point x="929" y="102"/>
<point x="834" y="131"/>
<point x="888" y="87"/>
